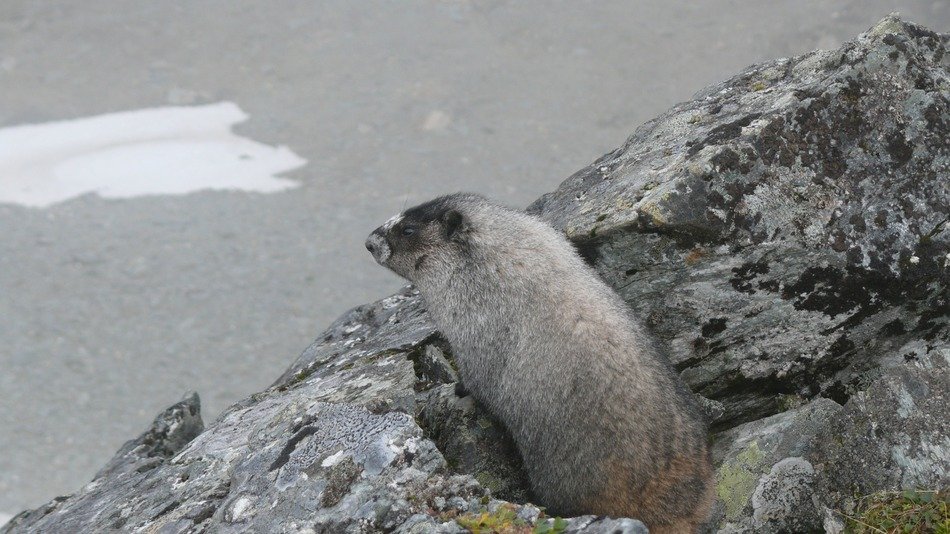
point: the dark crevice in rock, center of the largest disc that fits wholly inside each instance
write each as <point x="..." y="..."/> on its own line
<point x="171" y="506"/>
<point x="432" y="364"/>
<point x="714" y="326"/>
<point x="746" y="399"/>
<point x="203" y="513"/>
<point x="722" y="133"/>
<point x="291" y="445"/>
<point x="474" y="442"/>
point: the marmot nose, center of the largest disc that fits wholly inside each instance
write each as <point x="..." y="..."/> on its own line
<point x="376" y="245"/>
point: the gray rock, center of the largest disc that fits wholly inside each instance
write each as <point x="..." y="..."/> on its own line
<point x="332" y="446"/>
<point x="747" y="457"/>
<point x="808" y="464"/>
<point x="475" y="443"/>
<point x="785" y="232"/>
<point x="713" y="409"/>
<point x="589" y="524"/>
<point x="433" y="367"/>
<point x="782" y="501"/>
<point x="170" y="432"/>
<point x="895" y="435"/>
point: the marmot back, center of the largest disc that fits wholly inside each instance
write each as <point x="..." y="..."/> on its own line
<point x="603" y="423"/>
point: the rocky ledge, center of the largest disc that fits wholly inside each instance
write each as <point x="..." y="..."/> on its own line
<point x="785" y="232"/>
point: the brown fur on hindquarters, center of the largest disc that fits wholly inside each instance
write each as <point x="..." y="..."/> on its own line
<point x="674" y="501"/>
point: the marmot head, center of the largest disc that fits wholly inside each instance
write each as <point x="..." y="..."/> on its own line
<point x="426" y="238"/>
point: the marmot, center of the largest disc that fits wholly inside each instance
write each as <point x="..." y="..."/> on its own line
<point x="603" y="423"/>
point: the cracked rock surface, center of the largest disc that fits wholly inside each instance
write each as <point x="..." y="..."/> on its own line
<point x="786" y="232"/>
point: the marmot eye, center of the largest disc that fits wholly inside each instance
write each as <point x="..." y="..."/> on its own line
<point x="408" y="230"/>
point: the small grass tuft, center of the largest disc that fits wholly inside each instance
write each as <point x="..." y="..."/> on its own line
<point x="901" y="512"/>
<point x="298" y="377"/>
<point x="301" y="375"/>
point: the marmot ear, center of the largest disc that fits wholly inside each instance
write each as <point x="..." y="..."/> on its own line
<point x="452" y="222"/>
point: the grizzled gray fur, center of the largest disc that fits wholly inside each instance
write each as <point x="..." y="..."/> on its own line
<point x="604" y="424"/>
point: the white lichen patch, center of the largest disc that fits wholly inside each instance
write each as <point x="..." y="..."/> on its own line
<point x="905" y="404"/>
<point x="925" y="461"/>
<point x="240" y="509"/>
<point x="333" y="459"/>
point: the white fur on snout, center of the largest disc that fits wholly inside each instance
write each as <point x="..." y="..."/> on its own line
<point x="387" y="226"/>
<point x="381" y="251"/>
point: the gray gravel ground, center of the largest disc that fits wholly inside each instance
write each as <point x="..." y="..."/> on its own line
<point x="110" y="310"/>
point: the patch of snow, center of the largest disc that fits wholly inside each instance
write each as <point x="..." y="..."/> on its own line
<point x="157" y="151"/>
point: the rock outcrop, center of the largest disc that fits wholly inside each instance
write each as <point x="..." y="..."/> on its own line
<point x="786" y="232"/>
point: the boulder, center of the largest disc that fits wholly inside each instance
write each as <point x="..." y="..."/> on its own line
<point x="763" y="477"/>
<point x="891" y="437"/>
<point x="785" y="232"/>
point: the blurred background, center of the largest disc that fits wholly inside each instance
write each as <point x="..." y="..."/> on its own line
<point x="121" y="287"/>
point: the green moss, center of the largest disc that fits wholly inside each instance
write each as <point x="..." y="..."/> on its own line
<point x="501" y="521"/>
<point x="901" y="512"/>
<point x="453" y="463"/>
<point x="505" y="520"/>
<point x="653" y="211"/>
<point x="487" y="480"/>
<point x="737" y="478"/>
<point x="299" y="377"/>
<point x="789" y="402"/>
<point x="556" y="527"/>
<point x="484" y="423"/>
<point x="623" y="203"/>
<point x="759" y="86"/>
<point x="449" y="357"/>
